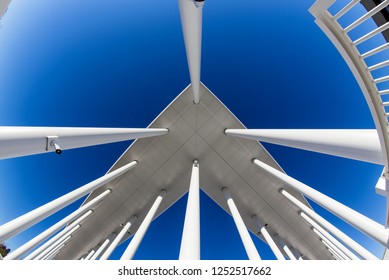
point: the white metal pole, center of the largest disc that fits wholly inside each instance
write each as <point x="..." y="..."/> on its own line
<point x="324" y="234"/>
<point x="50" y="231"/>
<point x="118" y="238"/>
<point x="27" y="220"/>
<point x="284" y="247"/>
<point x="191" y="14"/>
<point x="90" y="254"/>
<point x="358" y="144"/>
<point x="137" y="239"/>
<point x="248" y="243"/>
<point x="61" y="240"/>
<point x="332" y="251"/>
<point x="269" y="240"/>
<point x="54" y="253"/>
<point x="331" y="228"/>
<point x="190" y="242"/>
<point x="330" y="244"/>
<point x="21" y="141"/>
<point x="55" y="249"/>
<point x="55" y="246"/>
<point x="359" y="221"/>
<point x="101" y="248"/>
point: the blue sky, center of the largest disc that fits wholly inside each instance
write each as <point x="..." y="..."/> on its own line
<point x="120" y="63"/>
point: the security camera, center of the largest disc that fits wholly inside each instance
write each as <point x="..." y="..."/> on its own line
<point x="57" y="148"/>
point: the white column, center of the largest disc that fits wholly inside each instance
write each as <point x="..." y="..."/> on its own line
<point x="359" y="221"/>
<point x="50" y="231"/>
<point x="27" y="220"/>
<point x="190" y="242"/>
<point x="137" y="239"/>
<point x="284" y="247"/>
<point x="191" y="14"/>
<point x="329" y="244"/>
<point x="21" y="141"/>
<point x="118" y="238"/>
<point x="101" y="248"/>
<point x="331" y="228"/>
<point x="268" y="238"/>
<point x="61" y="240"/>
<point x="324" y="234"/>
<point x="358" y="144"/>
<point x="54" y="253"/>
<point x="248" y="243"/>
<point x="90" y="254"/>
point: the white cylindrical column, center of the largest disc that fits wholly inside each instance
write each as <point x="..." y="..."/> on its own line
<point x="58" y="236"/>
<point x="27" y="220"/>
<point x="359" y="221"/>
<point x="284" y="247"/>
<point x="269" y="240"/>
<point x="90" y="254"/>
<point x="101" y="248"/>
<point x="191" y="14"/>
<point x="118" y="238"/>
<point x="248" y="243"/>
<point x="190" y="242"/>
<point x="18" y="141"/>
<point x="61" y="240"/>
<point x="137" y="239"/>
<point x="325" y="235"/>
<point x="54" y="253"/>
<point x="50" y="231"/>
<point x="358" y="144"/>
<point x="331" y="228"/>
<point x="330" y="245"/>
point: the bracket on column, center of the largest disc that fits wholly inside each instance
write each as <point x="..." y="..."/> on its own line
<point x="52" y="144"/>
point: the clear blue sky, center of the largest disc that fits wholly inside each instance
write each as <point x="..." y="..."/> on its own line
<point x="120" y="63"/>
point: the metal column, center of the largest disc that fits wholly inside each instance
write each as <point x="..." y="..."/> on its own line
<point x="190" y="243"/>
<point x="137" y="239"/>
<point x="248" y="243"/>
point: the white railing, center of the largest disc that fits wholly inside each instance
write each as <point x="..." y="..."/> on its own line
<point x="374" y="88"/>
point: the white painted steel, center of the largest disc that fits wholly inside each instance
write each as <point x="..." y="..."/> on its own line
<point x="27" y="220"/>
<point x="191" y="20"/>
<point x="284" y="247"/>
<point x="331" y="228"/>
<point x="54" y="253"/>
<point x="330" y="244"/>
<point x="355" y="60"/>
<point x="137" y="239"/>
<point x="248" y="243"/>
<point x="190" y="242"/>
<point x="323" y="233"/>
<point x="334" y="253"/>
<point x="60" y="241"/>
<point x="50" y="231"/>
<point x="56" y="249"/>
<point x="359" y="221"/>
<point x="270" y="241"/>
<point x="90" y="254"/>
<point x="358" y="144"/>
<point x="366" y="16"/>
<point x="118" y="239"/>
<point x="101" y="248"/>
<point x="21" y="141"/>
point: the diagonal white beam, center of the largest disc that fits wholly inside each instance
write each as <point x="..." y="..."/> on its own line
<point x="190" y="242"/>
<point x="324" y="234"/>
<point x="31" y="218"/>
<point x="191" y="14"/>
<point x="248" y="243"/>
<point x="331" y="228"/>
<point x="118" y="238"/>
<point x="284" y="247"/>
<point x="358" y="144"/>
<point x="359" y="221"/>
<point x="102" y="247"/>
<point x="21" y="141"/>
<point x="269" y="240"/>
<point x="50" y="231"/>
<point x="140" y="233"/>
